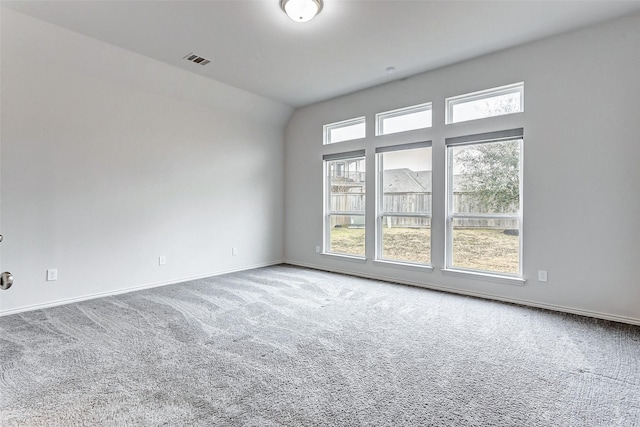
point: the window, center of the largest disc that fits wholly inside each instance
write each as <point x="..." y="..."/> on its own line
<point x="484" y="191"/>
<point x="487" y="103"/>
<point x="404" y="119"/>
<point x="345" y="130"/>
<point x="345" y="203"/>
<point x="404" y="203"/>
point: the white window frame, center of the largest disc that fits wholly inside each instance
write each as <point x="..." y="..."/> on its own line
<point x="380" y="117"/>
<point x="328" y="212"/>
<point x="326" y="129"/>
<point x="505" y="135"/>
<point x="381" y="214"/>
<point x="482" y="94"/>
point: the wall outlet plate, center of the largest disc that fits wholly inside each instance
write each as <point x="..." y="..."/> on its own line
<point x="52" y="274"/>
<point x="234" y="251"/>
<point x="542" y="275"/>
<point x="162" y="260"/>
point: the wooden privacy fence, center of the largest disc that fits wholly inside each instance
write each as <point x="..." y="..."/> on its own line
<point x="407" y="203"/>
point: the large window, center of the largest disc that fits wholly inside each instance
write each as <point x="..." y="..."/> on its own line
<point x="484" y="222"/>
<point x="345" y="130"/>
<point x="478" y="191"/>
<point x="404" y="203"/>
<point x="485" y="103"/>
<point x="345" y="203"/>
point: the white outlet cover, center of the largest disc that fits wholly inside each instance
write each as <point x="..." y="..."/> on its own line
<point x="234" y="251"/>
<point x="52" y="274"/>
<point x="542" y="275"/>
<point x="162" y="260"/>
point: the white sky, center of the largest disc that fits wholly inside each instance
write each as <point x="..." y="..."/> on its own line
<point x="486" y="107"/>
<point x="418" y="159"/>
<point x="348" y="133"/>
<point x="417" y="120"/>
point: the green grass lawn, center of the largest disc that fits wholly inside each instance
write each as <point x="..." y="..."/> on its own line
<point x="475" y="248"/>
<point x="347" y="241"/>
<point x="486" y="249"/>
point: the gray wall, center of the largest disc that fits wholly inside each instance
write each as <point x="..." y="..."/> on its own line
<point x="581" y="168"/>
<point x="111" y="159"/>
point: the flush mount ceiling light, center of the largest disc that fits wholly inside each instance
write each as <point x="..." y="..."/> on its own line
<point x="301" y="10"/>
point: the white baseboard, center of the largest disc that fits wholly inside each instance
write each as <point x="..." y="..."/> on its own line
<point x="552" y="307"/>
<point x="563" y="309"/>
<point x="131" y="289"/>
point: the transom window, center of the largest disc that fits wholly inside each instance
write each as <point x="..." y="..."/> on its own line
<point x="484" y="221"/>
<point x="486" y="103"/>
<point x="345" y="130"/>
<point x="404" y="203"/>
<point x="404" y="119"/>
<point x="345" y="192"/>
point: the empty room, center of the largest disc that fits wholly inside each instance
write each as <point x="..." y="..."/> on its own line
<point x="320" y="213"/>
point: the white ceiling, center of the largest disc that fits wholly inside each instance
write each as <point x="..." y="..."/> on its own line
<point x="254" y="46"/>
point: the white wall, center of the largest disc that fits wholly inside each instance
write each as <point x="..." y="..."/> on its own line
<point x="111" y="159"/>
<point x="581" y="168"/>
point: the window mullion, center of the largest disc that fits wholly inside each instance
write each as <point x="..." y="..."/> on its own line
<point x="347" y="213"/>
<point x="484" y="216"/>
<point x="406" y="214"/>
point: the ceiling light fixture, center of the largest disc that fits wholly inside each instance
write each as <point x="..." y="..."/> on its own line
<point x="301" y="10"/>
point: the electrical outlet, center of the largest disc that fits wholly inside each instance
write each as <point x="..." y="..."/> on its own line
<point x="542" y="275"/>
<point x="234" y="251"/>
<point x="162" y="260"/>
<point x="52" y="274"/>
<point x="317" y="249"/>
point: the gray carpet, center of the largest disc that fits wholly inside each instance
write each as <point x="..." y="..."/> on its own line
<point x="291" y="346"/>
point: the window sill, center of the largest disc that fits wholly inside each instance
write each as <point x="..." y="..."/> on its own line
<point x="351" y="258"/>
<point x="497" y="278"/>
<point x="403" y="265"/>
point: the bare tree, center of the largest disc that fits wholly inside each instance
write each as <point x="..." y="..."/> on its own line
<point x="491" y="174"/>
<point x="491" y="171"/>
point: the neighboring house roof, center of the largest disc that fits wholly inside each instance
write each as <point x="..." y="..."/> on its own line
<point x="407" y="181"/>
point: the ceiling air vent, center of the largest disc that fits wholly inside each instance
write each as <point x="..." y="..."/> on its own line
<point x="197" y="59"/>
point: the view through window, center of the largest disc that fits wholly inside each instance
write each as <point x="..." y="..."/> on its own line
<point x="345" y="130"/>
<point x="404" y="119"/>
<point x="404" y="204"/>
<point x="485" y="205"/>
<point x="345" y="210"/>
<point x="487" y="103"/>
